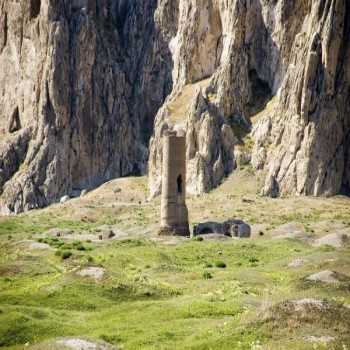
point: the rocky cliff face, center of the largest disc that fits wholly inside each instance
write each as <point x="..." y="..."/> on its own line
<point x="308" y="152"/>
<point x="292" y="54"/>
<point x="81" y="82"/>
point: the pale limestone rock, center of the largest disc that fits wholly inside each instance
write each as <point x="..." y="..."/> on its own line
<point x="326" y="276"/>
<point x="64" y="199"/>
<point x="336" y="240"/>
<point x="80" y="83"/>
<point x="81" y="344"/>
<point x="261" y="51"/>
<point x="309" y="152"/>
<point x="322" y="339"/>
<point x="96" y="273"/>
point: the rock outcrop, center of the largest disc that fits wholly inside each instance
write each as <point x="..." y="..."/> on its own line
<point x="80" y="83"/>
<point x="294" y="53"/>
<point x="309" y="142"/>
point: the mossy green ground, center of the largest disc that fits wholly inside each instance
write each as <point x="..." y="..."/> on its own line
<point x="169" y="294"/>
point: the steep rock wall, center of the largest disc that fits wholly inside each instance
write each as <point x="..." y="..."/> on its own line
<point x="80" y="83"/>
<point x="242" y="48"/>
<point x="309" y="149"/>
<point x="294" y="52"/>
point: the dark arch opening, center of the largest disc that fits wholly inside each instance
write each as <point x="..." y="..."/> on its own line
<point x="179" y="184"/>
<point x="35" y="8"/>
<point x="261" y="92"/>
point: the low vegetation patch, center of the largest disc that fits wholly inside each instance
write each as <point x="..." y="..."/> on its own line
<point x="176" y="294"/>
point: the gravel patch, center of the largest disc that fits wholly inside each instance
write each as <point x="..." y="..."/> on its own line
<point x="323" y="339"/>
<point x="301" y="304"/>
<point x="299" y="262"/>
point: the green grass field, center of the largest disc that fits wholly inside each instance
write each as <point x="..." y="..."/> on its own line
<point x="175" y="294"/>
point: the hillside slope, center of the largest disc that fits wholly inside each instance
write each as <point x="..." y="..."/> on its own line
<point x="136" y="290"/>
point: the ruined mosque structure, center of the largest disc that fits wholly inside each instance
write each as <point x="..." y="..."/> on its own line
<point x="174" y="213"/>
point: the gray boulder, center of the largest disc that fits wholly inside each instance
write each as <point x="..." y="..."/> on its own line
<point x="84" y="193"/>
<point x="233" y="228"/>
<point x="208" y="228"/>
<point x="237" y="228"/>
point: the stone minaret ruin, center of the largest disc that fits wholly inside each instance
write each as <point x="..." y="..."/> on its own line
<point x="174" y="214"/>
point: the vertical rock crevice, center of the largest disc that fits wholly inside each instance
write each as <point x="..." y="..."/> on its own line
<point x="14" y="122"/>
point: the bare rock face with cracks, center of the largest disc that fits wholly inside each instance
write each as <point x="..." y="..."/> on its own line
<point x="239" y="57"/>
<point x="80" y="83"/>
<point x="87" y="86"/>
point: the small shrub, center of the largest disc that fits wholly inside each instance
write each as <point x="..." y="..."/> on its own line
<point x="80" y="247"/>
<point x="58" y="252"/>
<point x="209" y="265"/>
<point x="207" y="275"/>
<point x="90" y="259"/>
<point x="220" y="264"/>
<point x="197" y="238"/>
<point x="66" y="254"/>
<point x="113" y="339"/>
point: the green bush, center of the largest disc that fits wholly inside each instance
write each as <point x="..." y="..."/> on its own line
<point x="197" y="238"/>
<point x="207" y="275"/>
<point x="80" y="247"/>
<point x="66" y="254"/>
<point x="220" y="264"/>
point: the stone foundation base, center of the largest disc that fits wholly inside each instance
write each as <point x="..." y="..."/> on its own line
<point x="174" y="231"/>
